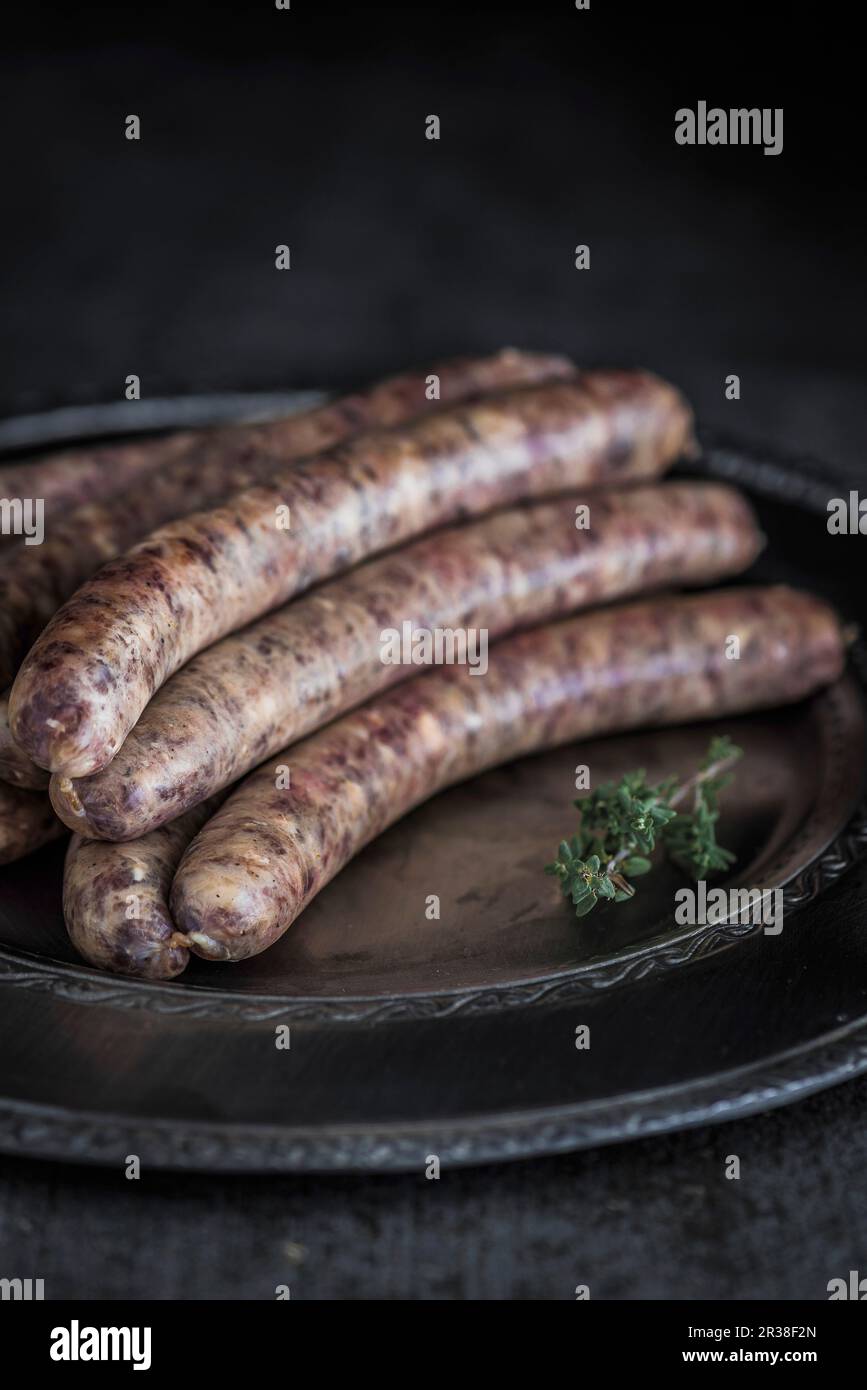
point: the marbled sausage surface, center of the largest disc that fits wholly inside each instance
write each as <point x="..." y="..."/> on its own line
<point x="217" y="464"/>
<point x="268" y="850"/>
<point x="115" y="899"/>
<point x="142" y="616"/>
<point x="257" y="691"/>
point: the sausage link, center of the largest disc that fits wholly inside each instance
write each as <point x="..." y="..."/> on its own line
<point x="399" y="398"/>
<point x="255" y="692"/>
<point x="75" y="476"/>
<point x="26" y="822"/>
<point x="115" y="899"/>
<point x="15" y="766"/>
<point x="142" y="616"/>
<point x="267" y="852"/>
<point x="224" y="460"/>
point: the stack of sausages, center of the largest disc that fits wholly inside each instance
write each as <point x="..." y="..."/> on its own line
<point x="194" y="652"/>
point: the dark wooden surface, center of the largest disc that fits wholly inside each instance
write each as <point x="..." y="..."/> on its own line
<point x="701" y="266"/>
<point x="654" y="1219"/>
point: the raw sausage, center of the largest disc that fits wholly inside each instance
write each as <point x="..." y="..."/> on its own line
<point x="255" y="692"/>
<point x="141" y="617"/>
<point x="26" y="822"/>
<point x="115" y="899"/>
<point x="75" y="476"/>
<point x="259" y="690"/>
<point x="43" y="577"/>
<point x="267" y="852"/>
<point x="88" y="678"/>
<point x="15" y="766"/>
<point x="224" y="460"/>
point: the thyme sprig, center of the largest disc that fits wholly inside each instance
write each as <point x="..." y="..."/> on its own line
<point x="622" y="822"/>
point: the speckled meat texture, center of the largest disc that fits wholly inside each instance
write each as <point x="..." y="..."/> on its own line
<point x="223" y="461"/>
<point x="26" y="822"/>
<point x="87" y="680"/>
<point x="115" y="899"/>
<point x="267" y="852"/>
<point x="286" y="675"/>
<point x="75" y="476"/>
<point x="15" y="766"/>
<point x="399" y="398"/>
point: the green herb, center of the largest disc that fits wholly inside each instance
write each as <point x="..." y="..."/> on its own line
<point x="622" y="822"/>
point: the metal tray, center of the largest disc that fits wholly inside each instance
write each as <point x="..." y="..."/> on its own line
<point x="456" y="1037"/>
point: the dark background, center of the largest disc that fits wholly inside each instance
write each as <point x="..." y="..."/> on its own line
<point x="307" y="127"/>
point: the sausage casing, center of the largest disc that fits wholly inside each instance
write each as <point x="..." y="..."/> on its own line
<point x="115" y="899"/>
<point x="291" y="672"/>
<point x="15" y="766"/>
<point x="221" y="462"/>
<point x="68" y="479"/>
<point x="268" y="851"/>
<point x="86" y="681"/>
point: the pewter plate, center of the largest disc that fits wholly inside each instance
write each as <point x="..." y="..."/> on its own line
<point x="455" y="1036"/>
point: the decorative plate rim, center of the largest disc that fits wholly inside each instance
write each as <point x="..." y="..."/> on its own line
<point x="40" y="1131"/>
